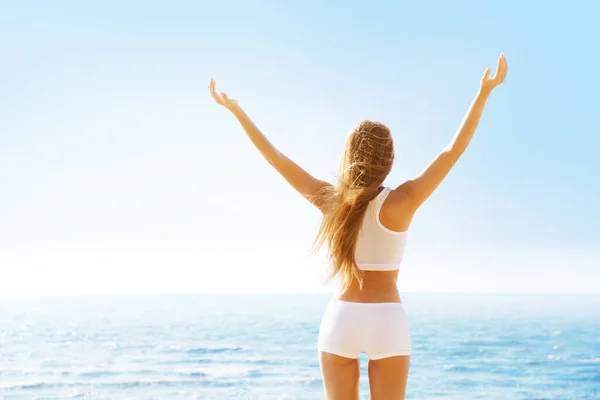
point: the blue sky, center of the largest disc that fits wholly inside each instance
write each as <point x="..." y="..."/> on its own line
<point x="118" y="173"/>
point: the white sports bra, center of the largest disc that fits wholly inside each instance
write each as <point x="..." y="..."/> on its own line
<point x="377" y="247"/>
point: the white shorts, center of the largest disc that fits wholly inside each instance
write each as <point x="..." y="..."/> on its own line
<point x="378" y="329"/>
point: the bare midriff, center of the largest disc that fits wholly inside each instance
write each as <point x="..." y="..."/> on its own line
<point x="378" y="287"/>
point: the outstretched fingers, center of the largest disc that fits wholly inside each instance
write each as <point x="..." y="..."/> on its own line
<point x="504" y="67"/>
<point x="211" y="86"/>
<point x="501" y="72"/>
<point x="486" y="74"/>
<point x="498" y="77"/>
<point x="214" y="93"/>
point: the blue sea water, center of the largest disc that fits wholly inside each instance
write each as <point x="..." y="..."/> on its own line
<point x="468" y="346"/>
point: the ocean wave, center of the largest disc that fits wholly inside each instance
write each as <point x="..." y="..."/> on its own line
<point x="98" y="374"/>
<point x="482" y="343"/>
<point x="193" y="378"/>
<point x="461" y="368"/>
<point x="593" y="360"/>
<point x="87" y="395"/>
<point x="196" y="374"/>
<point x="533" y="362"/>
<point x="214" y="361"/>
<point x="150" y="383"/>
<point x="145" y="372"/>
<point x="257" y="373"/>
<point x="261" y="361"/>
<point x="305" y="381"/>
<point x="190" y="361"/>
<point x="31" y="386"/>
<point x="212" y="350"/>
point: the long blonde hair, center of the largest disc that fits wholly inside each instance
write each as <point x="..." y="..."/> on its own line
<point x="366" y="162"/>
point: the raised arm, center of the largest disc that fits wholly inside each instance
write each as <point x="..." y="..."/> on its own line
<point x="421" y="187"/>
<point x="304" y="183"/>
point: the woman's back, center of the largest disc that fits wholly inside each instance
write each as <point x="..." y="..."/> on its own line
<point x="380" y="248"/>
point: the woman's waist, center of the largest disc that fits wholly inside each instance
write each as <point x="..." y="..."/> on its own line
<point x="376" y="288"/>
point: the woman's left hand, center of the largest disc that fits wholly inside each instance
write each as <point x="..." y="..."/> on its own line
<point x="487" y="83"/>
<point x="222" y="98"/>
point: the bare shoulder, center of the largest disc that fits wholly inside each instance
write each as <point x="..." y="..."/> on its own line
<point x="396" y="211"/>
<point x="400" y="195"/>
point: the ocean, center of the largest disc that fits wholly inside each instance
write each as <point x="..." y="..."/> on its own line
<point x="263" y="346"/>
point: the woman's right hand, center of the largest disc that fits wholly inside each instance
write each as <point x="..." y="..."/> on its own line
<point x="487" y="83"/>
<point x="222" y="98"/>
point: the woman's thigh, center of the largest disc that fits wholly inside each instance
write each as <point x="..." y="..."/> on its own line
<point x="387" y="377"/>
<point x="340" y="376"/>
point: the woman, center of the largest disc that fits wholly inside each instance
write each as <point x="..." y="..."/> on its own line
<point x="365" y="226"/>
